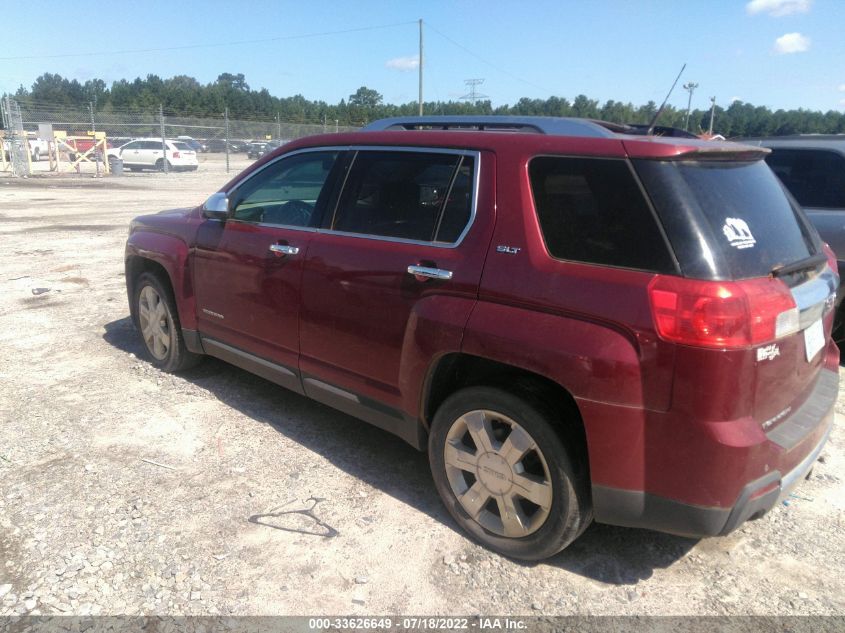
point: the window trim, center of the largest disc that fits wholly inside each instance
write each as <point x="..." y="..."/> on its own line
<point x="646" y="198"/>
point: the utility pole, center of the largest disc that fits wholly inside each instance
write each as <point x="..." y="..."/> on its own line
<point x="164" y="165"/>
<point x="335" y="126"/>
<point x="712" y="112"/>
<point x="278" y="127"/>
<point x="421" y="67"/>
<point x="226" y="140"/>
<point x="690" y="87"/>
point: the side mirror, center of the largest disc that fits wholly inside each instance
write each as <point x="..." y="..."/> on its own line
<point x="216" y="207"/>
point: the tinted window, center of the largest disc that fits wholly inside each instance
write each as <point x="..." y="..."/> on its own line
<point x="403" y="195"/>
<point x="286" y="192"/>
<point x="815" y="177"/>
<point x="726" y="220"/>
<point x="591" y="210"/>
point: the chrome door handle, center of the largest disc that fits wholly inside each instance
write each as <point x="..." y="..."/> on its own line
<point x="284" y="249"/>
<point x="432" y="273"/>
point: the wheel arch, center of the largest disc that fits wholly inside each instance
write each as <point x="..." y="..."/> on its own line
<point x="166" y="256"/>
<point x="136" y="265"/>
<point x="456" y="371"/>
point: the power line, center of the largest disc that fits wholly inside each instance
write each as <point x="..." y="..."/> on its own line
<point x="489" y="63"/>
<point x="212" y="45"/>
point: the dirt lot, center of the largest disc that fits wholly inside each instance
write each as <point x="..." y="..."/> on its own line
<point x="125" y="490"/>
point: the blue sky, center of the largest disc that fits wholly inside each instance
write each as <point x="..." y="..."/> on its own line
<point x="777" y="53"/>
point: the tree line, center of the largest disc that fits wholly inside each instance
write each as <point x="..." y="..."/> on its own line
<point x="185" y="96"/>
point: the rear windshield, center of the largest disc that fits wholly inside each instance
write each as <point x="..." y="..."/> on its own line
<point x="182" y="145"/>
<point x="726" y="220"/>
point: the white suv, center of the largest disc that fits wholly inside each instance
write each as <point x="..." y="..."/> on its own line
<point x="146" y="153"/>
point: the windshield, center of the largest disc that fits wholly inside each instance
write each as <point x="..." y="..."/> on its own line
<point x="727" y="220"/>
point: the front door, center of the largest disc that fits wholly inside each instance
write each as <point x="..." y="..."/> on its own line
<point x="247" y="270"/>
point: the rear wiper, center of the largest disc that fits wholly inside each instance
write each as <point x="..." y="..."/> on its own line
<point x="808" y="263"/>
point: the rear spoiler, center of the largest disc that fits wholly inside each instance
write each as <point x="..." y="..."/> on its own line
<point x="690" y="149"/>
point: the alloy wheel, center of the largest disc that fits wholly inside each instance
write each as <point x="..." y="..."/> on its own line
<point x="498" y="473"/>
<point x="155" y="322"/>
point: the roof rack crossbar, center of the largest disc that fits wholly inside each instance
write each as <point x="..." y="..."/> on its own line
<point x="559" y="126"/>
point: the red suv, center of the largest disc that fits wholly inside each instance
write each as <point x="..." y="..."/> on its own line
<point x="576" y="323"/>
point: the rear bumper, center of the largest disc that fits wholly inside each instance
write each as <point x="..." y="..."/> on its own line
<point x="641" y="509"/>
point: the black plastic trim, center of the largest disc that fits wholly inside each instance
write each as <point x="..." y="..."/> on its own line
<point x="193" y="341"/>
<point x="376" y="413"/>
<point x="279" y="374"/>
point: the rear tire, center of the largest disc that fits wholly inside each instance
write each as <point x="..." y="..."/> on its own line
<point x="160" y="165"/>
<point x="505" y="475"/>
<point x="158" y="322"/>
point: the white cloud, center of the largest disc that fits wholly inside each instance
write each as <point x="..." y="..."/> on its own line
<point x="733" y="99"/>
<point x="841" y="87"/>
<point x="403" y="63"/>
<point x="791" y="43"/>
<point x="778" y="8"/>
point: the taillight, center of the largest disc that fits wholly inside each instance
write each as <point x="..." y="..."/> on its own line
<point x="175" y="154"/>
<point x="722" y="314"/>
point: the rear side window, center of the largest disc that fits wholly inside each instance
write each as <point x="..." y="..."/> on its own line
<point x="591" y="210"/>
<point x="417" y="196"/>
<point x="726" y="219"/>
<point x="815" y="177"/>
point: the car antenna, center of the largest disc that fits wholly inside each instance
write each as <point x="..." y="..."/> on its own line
<point x="650" y="130"/>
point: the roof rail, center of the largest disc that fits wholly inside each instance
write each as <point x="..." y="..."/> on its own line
<point x="559" y="126"/>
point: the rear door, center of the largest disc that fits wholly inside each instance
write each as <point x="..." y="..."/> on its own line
<point x="131" y="153"/>
<point x="404" y="250"/>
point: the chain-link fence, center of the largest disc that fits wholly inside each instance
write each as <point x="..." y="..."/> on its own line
<point x="14" y="146"/>
<point x="217" y="133"/>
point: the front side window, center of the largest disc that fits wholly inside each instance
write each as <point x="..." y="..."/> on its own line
<point x="815" y="177"/>
<point x="286" y="192"/>
<point x="418" y="196"/>
<point x="591" y="210"/>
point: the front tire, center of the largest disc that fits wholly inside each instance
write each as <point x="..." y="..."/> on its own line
<point x="505" y="475"/>
<point x="158" y="322"/>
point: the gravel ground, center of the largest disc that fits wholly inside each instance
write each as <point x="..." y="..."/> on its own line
<point x="127" y="491"/>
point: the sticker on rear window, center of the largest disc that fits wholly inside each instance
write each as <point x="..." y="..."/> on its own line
<point x="738" y="233"/>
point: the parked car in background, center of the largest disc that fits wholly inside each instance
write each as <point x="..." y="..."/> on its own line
<point x="216" y="145"/>
<point x="38" y="147"/>
<point x="256" y="149"/>
<point x="812" y="166"/>
<point x="238" y="146"/>
<point x="194" y="144"/>
<point x="576" y="324"/>
<point x="148" y="154"/>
